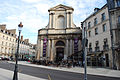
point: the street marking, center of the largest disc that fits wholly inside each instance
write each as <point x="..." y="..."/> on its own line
<point x="49" y="78"/>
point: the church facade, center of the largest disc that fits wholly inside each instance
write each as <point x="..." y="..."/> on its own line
<point x="60" y="38"/>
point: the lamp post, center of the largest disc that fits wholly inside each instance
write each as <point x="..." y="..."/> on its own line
<point x="85" y="53"/>
<point x="84" y="46"/>
<point x="15" y="76"/>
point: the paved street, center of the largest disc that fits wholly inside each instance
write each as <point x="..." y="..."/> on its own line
<point x="54" y="74"/>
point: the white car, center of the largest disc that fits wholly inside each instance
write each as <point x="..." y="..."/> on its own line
<point x="0" y="58"/>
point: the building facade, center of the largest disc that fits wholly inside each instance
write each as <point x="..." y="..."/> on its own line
<point x="26" y="49"/>
<point x="103" y="35"/>
<point x="8" y="45"/>
<point x="99" y="38"/>
<point x="60" y="38"/>
<point x="114" y="13"/>
<point x="7" y="42"/>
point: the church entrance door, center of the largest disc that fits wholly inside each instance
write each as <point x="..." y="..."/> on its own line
<point x="59" y="54"/>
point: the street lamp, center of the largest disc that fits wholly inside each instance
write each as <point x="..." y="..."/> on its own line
<point x="84" y="45"/>
<point x="15" y="77"/>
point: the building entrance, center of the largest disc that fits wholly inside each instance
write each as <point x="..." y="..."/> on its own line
<point x="59" y="50"/>
<point x="107" y="60"/>
<point x="59" y="54"/>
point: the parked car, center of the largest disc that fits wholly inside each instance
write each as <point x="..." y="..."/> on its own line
<point x="5" y="58"/>
<point x="0" y="58"/>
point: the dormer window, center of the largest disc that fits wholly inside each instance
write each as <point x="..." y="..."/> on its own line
<point x="1" y="30"/>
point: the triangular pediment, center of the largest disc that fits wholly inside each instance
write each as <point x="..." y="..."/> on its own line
<point x="60" y="7"/>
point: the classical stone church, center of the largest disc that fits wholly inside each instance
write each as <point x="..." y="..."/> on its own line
<point x="60" y="38"/>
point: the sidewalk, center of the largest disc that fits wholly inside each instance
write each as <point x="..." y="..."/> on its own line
<point x="8" y="75"/>
<point x="93" y="71"/>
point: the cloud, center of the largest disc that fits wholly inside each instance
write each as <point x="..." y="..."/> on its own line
<point x="31" y="1"/>
<point x="34" y="13"/>
<point x="42" y="8"/>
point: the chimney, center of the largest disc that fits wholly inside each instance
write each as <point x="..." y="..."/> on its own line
<point x="96" y="9"/>
<point x="3" y="26"/>
<point x="13" y="31"/>
<point x="21" y="38"/>
<point x="27" y="40"/>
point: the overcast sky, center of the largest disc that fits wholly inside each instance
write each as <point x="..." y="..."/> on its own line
<point x="34" y="13"/>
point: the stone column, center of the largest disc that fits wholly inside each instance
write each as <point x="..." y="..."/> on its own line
<point x="71" y="20"/>
<point x="68" y="47"/>
<point x="66" y="52"/>
<point x="67" y="20"/>
<point x="48" y="49"/>
<point x="41" y="50"/>
<point x="49" y="20"/>
<point x="71" y="48"/>
<point x="52" y="51"/>
<point x="52" y="20"/>
<point x="38" y="49"/>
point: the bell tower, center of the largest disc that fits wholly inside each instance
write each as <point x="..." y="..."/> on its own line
<point x="61" y="17"/>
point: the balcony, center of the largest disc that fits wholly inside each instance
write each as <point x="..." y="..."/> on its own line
<point x="105" y="47"/>
<point x="97" y="49"/>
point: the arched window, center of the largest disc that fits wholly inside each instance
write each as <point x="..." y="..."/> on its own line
<point x="60" y="43"/>
<point x="60" y="22"/>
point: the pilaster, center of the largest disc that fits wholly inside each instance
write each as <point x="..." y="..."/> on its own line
<point x="38" y="49"/>
<point x="41" y="50"/>
<point x="66" y="48"/>
<point x="52" y="52"/>
<point x="67" y="20"/>
<point x="71" y="46"/>
<point x="48" y="49"/>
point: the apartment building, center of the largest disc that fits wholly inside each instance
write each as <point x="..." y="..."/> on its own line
<point x="26" y="49"/>
<point x="8" y="45"/>
<point x="7" y="41"/>
<point x="99" y="39"/>
<point x="114" y="13"/>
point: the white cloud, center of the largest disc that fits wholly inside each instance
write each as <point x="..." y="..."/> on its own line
<point x="31" y="1"/>
<point x="34" y="13"/>
<point x="42" y="8"/>
<point x="13" y="17"/>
